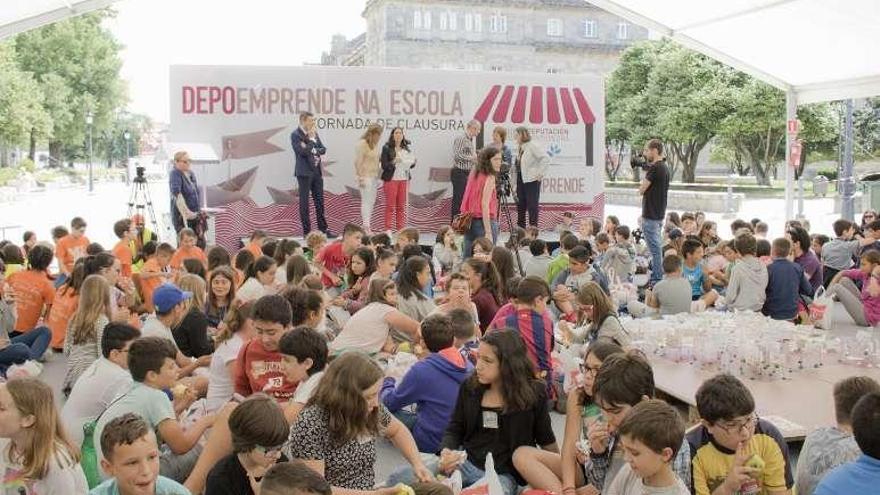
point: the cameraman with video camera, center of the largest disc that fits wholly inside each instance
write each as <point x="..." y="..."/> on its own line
<point x="653" y="188"/>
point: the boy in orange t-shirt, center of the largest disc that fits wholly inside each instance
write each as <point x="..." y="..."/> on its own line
<point x="258" y="238"/>
<point x="122" y="250"/>
<point x="187" y="249"/>
<point x="34" y="292"/>
<point x="155" y="273"/>
<point x="71" y="247"/>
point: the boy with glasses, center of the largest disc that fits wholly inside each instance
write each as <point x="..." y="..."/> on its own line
<point x="733" y="450"/>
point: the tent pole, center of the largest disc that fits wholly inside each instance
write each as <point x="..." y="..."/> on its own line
<point x="790" y="114"/>
<point x="846" y="182"/>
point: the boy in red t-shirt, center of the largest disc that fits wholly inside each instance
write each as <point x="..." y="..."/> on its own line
<point x="71" y="247"/>
<point x="333" y="258"/>
<point x="259" y="364"/>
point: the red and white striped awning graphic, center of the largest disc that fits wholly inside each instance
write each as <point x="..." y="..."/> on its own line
<point x="544" y="105"/>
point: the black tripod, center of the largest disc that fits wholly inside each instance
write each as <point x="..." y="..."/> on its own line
<point x="139" y="199"/>
<point x="503" y="191"/>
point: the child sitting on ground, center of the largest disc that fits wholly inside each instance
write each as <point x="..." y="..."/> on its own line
<point x="672" y="295"/>
<point x="785" y="283"/>
<point x="154" y="273"/>
<point x="539" y="263"/>
<point x="151" y="361"/>
<point x="729" y="436"/>
<point x="432" y="384"/>
<point x="259" y="431"/>
<point x="830" y="446"/>
<point x="747" y="289"/>
<point x="862" y="305"/>
<point x="862" y="475"/>
<point x="621" y="258"/>
<point x="701" y="282"/>
<point x="464" y="329"/>
<point x="187" y="249"/>
<point x="838" y="253"/>
<point x="293" y="478"/>
<point x="651" y="436"/>
<point x="131" y="458"/>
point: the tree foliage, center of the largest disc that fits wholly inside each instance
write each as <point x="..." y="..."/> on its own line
<point x="76" y="64"/>
<point x="663" y="90"/>
<point x="21" y="109"/>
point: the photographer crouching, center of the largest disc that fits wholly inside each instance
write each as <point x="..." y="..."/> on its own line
<point x="653" y="188"/>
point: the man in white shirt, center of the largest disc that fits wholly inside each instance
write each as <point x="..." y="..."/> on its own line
<point x="102" y="382"/>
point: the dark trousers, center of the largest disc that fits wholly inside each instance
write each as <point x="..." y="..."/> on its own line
<point x="459" y="178"/>
<point x="827" y="274"/>
<point x="313" y="184"/>
<point x="528" y="196"/>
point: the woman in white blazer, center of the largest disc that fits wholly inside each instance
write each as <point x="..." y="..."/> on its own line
<point x="531" y="165"/>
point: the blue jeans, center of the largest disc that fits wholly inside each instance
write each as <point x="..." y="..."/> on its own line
<point x="29" y="345"/>
<point x="408" y="418"/>
<point x="477" y="230"/>
<point x="652" y="230"/>
<point x="470" y="474"/>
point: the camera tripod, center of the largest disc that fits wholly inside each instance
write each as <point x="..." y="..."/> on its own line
<point x="502" y="191"/>
<point x="139" y="199"/>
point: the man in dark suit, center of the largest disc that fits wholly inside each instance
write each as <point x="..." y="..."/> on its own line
<point x="309" y="151"/>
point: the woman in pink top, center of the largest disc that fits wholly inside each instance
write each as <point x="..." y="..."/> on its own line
<point x="480" y="199"/>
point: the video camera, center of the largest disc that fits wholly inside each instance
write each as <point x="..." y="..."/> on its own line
<point x="638" y="160"/>
<point x="502" y="181"/>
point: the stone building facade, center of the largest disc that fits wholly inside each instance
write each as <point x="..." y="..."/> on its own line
<point x="552" y="36"/>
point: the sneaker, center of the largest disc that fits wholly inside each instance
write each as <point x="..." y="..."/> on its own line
<point x="47" y="356"/>
<point x="330" y="234"/>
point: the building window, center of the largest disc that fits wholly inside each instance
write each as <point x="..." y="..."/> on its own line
<point x="478" y="23"/>
<point x="498" y="23"/>
<point x="473" y="67"/>
<point x="468" y="22"/>
<point x="553" y="70"/>
<point x="496" y="68"/>
<point x="444" y="21"/>
<point x="554" y="27"/>
<point x="622" y="30"/>
<point x="426" y="20"/>
<point x="453" y="21"/>
<point x="589" y="28"/>
<point x="417" y="19"/>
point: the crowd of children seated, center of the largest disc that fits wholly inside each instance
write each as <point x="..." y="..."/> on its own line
<point x="276" y="369"/>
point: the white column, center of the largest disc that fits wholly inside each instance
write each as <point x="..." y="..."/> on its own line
<point x="790" y="114"/>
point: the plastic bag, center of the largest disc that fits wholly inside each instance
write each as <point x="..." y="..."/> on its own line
<point x="822" y="310"/>
<point x="489" y="484"/>
<point x="569" y="363"/>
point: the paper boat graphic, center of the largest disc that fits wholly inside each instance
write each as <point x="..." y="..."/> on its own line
<point x="287" y="197"/>
<point x="232" y="190"/>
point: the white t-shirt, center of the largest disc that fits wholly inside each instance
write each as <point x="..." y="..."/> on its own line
<point x="93" y="392"/>
<point x="251" y="290"/>
<point x="365" y="331"/>
<point x="628" y="482"/>
<point x="306" y="389"/>
<point x="153" y="327"/>
<point x="220" y="386"/>
<point x="64" y="477"/>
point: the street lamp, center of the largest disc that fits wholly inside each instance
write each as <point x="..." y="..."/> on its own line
<point x="90" y="119"/>
<point x="127" y="136"/>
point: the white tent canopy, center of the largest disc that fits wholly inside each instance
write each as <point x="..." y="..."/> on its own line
<point x="17" y="16"/>
<point x="818" y="49"/>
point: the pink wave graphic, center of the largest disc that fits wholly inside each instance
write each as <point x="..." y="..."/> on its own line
<point x="241" y="218"/>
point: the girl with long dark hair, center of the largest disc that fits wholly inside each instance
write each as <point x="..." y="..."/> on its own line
<point x="361" y="266"/>
<point x="500" y="408"/>
<point x="413" y="278"/>
<point x="480" y="200"/>
<point x="485" y="288"/>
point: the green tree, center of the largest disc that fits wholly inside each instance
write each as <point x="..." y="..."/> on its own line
<point x="754" y="132"/>
<point x="663" y="90"/>
<point x="77" y="63"/>
<point x="21" y="111"/>
<point x="866" y="129"/>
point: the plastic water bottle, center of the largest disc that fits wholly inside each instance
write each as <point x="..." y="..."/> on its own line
<point x="89" y="460"/>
